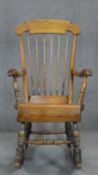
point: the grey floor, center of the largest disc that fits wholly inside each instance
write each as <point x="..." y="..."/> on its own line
<point x="48" y="160"/>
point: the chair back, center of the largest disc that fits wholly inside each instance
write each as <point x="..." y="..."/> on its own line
<point x="47" y="50"/>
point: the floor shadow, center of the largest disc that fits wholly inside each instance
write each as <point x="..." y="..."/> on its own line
<point x="43" y="163"/>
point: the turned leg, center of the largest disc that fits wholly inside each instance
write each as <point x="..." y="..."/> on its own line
<point x="76" y="146"/>
<point x="20" y="147"/>
<point x="69" y="132"/>
<point x="28" y="126"/>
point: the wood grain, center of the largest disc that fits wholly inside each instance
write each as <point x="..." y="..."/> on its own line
<point x="48" y="113"/>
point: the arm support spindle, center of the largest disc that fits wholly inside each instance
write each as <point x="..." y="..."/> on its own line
<point x="15" y="74"/>
<point x="82" y="74"/>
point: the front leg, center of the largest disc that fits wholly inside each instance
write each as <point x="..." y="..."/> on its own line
<point x="76" y="146"/>
<point x="20" y="147"/>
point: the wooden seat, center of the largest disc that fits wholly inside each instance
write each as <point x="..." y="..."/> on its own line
<point x="47" y="52"/>
<point x="48" y="109"/>
<point x="48" y="113"/>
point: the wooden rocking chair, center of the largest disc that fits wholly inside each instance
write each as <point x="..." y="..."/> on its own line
<point x="44" y="48"/>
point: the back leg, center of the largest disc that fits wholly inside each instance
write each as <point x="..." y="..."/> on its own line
<point x="69" y="132"/>
<point x="28" y="126"/>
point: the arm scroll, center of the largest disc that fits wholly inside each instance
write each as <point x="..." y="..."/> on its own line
<point x="82" y="73"/>
<point x="14" y="73"/>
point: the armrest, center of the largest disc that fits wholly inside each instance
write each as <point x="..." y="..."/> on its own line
<point x="83" y="73"/>
<point x="14" y="73"/>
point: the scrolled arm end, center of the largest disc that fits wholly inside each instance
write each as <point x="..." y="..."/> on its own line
<point x="14" y="73"/>
<point x="86" y="73"/>
<point x="83" y="73"/>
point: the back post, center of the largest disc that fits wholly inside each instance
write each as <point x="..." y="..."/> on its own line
<point x="23" y="67"/>
<point x="71" y="68"/>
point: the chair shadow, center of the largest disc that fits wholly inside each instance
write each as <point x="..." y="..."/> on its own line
<point x="40" y="162"/>
<point x="10" y="168"/>
<point x="31" y="165"/>
<point x="49" y="163"/>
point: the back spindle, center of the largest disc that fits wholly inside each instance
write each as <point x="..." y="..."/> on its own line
<point x="44" y="61"/>
<point x="30" y="59"/>
<point x="51" y="62"/>
<point x="37" y="63"/>
<point x="64" y="65"/>
<point x="57" y="65"/>
<point x="71" y="68"/>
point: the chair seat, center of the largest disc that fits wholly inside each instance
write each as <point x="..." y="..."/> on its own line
<point x="48" y="109"/>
